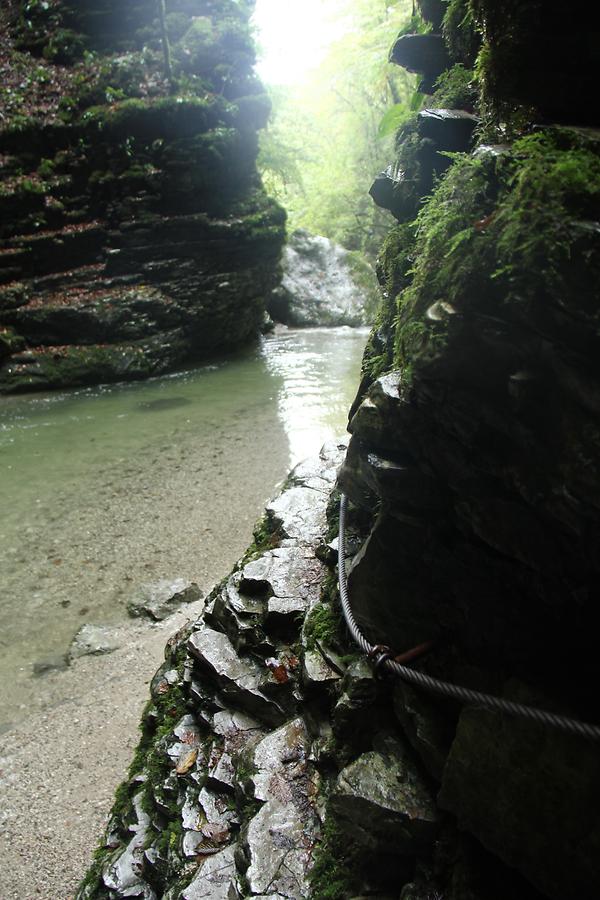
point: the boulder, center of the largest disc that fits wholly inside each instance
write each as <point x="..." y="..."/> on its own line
<point x="384" y="804"/>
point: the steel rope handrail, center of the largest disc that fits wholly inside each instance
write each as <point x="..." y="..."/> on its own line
<point x="445" y="688"/>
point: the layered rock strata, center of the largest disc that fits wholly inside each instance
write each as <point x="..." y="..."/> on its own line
<point x="135" y="232"/>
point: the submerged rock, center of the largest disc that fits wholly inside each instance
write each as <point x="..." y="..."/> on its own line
<point x="91" y="640"/>
<point x="55" y="663"/>
<point x="319" y="286"/>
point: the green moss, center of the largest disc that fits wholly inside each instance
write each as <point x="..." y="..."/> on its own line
<point x="324" y="623"/>
<point x="92" y="883"/>
<point x="461" y="32"/>
<point x="394" y="268"/>
<point x="158" y="117"/>
<point x="266" y="536"/>
<point x="335" y="873"/>
<point x="363" y="275"/>
<point x="10" y="342"/>
<point x="456" y="88"/>
<point x="505" y="230"/>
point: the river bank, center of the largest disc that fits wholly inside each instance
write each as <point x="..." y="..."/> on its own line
<point x="160" y="479"/>
<point x="110" y="488"/>
<point x="60" y="767"/>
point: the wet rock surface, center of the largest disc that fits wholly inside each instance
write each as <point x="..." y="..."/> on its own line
<point x="381" y="803"/>
<point x="262" y="731"/>
<point x="161" y="599"/>
<point x="225" y="793"/>
<point x="318" y="286"/>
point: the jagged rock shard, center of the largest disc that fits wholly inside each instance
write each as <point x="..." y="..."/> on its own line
<point x="315" y="669"/>
<point x="215" y="879"/>
<point x="282" y="834"/>
<point x="384" y="804"/>
<point x="238" y="679"/>
<point x="290" y="574"/>
<point x="300" y="511"/>
<point x="122" y="873"/>
<point x="162" y="598"/>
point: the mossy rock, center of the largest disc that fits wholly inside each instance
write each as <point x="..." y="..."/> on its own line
<point x="508" y="234"/>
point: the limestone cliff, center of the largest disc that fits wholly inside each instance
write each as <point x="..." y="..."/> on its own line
<point x="473" y="475"/>
<point x="135" y="232"/>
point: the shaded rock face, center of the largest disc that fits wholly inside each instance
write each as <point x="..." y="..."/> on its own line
<point x="475" y="451"/>
<point x="318" y="287"/>
<point x="135" y="234"/>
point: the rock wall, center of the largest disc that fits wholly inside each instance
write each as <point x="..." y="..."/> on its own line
<point x="474" y="522"/>
<point x="475" y="433"/>
<point x="135" y="232"/>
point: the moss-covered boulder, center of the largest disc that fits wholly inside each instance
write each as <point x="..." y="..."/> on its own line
<point x="133" y="218"/>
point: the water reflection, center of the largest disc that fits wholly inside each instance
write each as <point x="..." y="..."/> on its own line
<point x="319" y="370"/>
<point x="106" y="488"/>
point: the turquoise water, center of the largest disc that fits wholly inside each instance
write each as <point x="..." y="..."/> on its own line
<point x="106" y="488"/>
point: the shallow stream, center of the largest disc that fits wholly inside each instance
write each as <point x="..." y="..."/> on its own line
<point x="107" y="488"/>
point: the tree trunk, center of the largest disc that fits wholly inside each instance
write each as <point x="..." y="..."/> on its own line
<point x="165" y="41"/>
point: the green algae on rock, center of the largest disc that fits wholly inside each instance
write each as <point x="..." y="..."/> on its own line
<point x="136" y="235"/>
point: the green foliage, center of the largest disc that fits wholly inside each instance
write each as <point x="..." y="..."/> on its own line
<point x="393" y="119"/>
<point x="64" y="46"/>
<point x="364" y="276"/>
<point x="508" y="230"/>
<point x="460" y="30"/>
<point x="324" y="623"/>
<point x="322" y="150"/>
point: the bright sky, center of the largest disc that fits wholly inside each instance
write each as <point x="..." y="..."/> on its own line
<point x="293" y="36"/>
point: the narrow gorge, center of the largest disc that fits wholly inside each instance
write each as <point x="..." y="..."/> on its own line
<point x="276" y="761"/>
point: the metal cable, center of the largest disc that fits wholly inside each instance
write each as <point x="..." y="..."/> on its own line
<point x="435" y="685"/>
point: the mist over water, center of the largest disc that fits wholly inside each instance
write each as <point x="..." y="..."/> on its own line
<point x="107" y="488"/>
